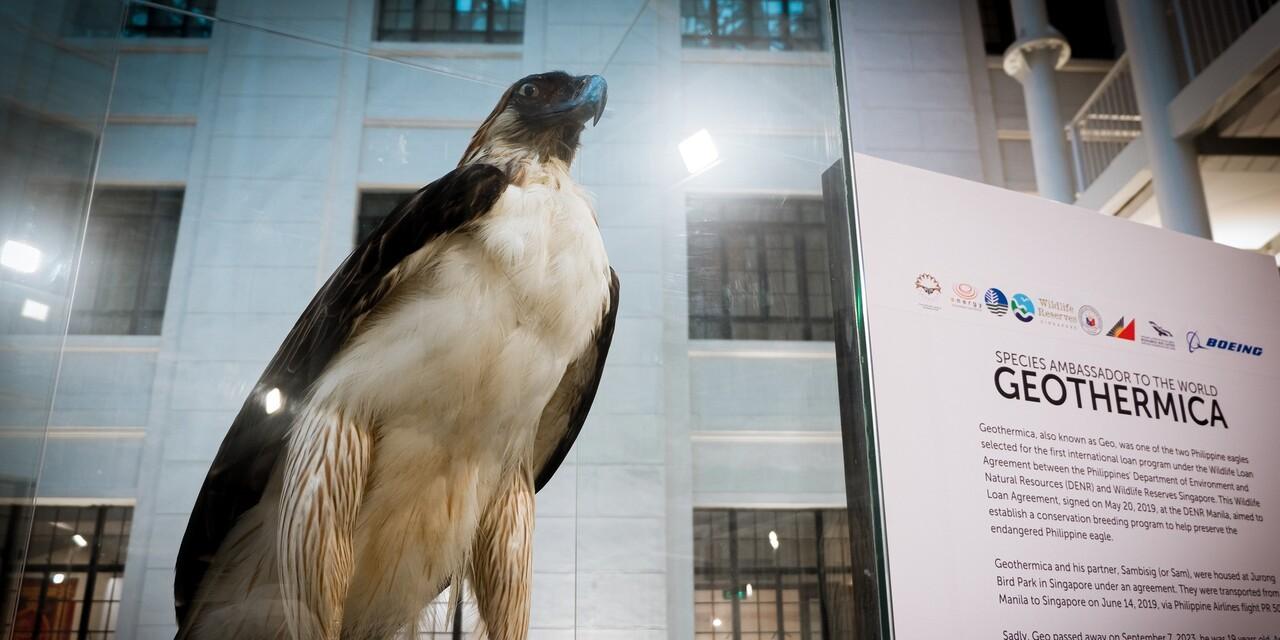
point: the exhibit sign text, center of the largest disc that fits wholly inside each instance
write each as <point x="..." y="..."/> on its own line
<point x="1076" y="418"/>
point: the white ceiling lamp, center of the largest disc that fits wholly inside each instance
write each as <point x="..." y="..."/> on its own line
<point x="58" y="578"/>
<point x="773" y="540"/>
<point x="79" y="540"/>
<point x="20" y="256"/>
<point x="699" y="152"/>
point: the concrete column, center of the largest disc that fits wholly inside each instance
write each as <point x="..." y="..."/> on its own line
<point x="1175" y="168"/>
<point x="1033" y="60"/>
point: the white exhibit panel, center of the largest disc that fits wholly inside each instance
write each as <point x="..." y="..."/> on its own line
<point x="1077" y="424"/>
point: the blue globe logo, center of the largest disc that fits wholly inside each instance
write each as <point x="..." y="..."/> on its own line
<point x="1022" y="307"/>
<point x="995" y="301"/>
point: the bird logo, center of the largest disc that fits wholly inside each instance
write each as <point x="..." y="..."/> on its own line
<point x="1160" y="331"/>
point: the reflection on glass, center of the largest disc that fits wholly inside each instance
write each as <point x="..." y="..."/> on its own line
<point x="243" y="163"/>
<point x="54" y="91"/>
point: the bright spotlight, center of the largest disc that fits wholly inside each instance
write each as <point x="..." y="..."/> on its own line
<point x="773" y="540"/>
<point x="715" y="622"/>
<point x="699" y="151"/>
<point x="59" y="577"/>
<point x="79" y="540"/>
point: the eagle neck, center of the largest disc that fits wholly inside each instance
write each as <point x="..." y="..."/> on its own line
<point x="521" y="165"/>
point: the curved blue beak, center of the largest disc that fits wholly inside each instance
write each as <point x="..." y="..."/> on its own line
<point x="588" y="103"/>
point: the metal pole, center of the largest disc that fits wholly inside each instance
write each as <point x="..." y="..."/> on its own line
<point x="1039" y="51"/>
<point x="1175" y="167"/>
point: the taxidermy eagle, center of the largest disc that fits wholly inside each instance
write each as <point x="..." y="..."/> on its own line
<point x="395" y="441"/>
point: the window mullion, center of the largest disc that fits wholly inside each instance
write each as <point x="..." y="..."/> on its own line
<point x="86" y="605"/>
<point x="43" y="598"/>
<point x="417" y="32"/>
<point x="820" y="558"/>
<point x="490" y="12"/>
<point x="734" y="604"/>
<point x="726" y="302"/>
<point x="802" y="282"/>
<point x="144" y="270"/>
<point x="762" y="274"/>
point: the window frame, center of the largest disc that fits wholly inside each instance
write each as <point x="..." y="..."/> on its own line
<point x="190" y="27"/>
<point x="82" y="320"/>
<point x="756" y="229"/>
<point x="786" y="576"/>
<point x="754" y="41"/>
<point x="363" y="198"/>
<point x="416" y="34"/>
<point x="94" y="568"/>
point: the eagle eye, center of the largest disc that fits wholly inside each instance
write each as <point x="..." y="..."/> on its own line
<point x="528" y="90"/>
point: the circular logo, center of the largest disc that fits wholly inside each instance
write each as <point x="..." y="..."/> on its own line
<point x="1022" y="307"/>
<point x="995" y="301"/>
<point x="927" y="285"/>
<point x="965" y="291"/>
<point x="1090" y="320"/>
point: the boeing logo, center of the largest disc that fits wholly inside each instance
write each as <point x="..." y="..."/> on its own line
<point x="1194" y="345"/>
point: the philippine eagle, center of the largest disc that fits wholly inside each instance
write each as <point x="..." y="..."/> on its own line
<point x="395" y="442"/>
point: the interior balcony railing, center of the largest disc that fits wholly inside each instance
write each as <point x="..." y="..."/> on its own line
<point x="1105" y="124"/>
<point x="1108" y="120"/>
<point x="1206" y="28"/>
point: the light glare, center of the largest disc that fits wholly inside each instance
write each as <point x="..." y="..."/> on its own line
<point x="59" y="577"/>
<point x="715" y="622"/>
<point x="748" y="589"/>
<point x="773" y="540"/>
<point x="699" y="151"/>
<point x="35" y="310"/>
<point x="19" y="256"/>
<point x="79" y="540"/>
<point x="273" y="401"/>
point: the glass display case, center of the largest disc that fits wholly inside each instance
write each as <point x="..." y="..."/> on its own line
<point x="182" y="176"/>
<point x="249" y="358"/>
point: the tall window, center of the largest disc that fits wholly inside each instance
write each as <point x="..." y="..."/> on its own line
<point x="95" y="18"/>
<point x="760" y="575"/>
<point x="779" y="25"/>
<point x="374" y="207"/>
<point x="70" y="586"/>
<point x="128" y="253"/>
<point x="758" y="269"/>
<point x="493" y="21"/>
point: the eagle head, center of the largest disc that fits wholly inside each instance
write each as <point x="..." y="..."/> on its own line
<point x="541" y="115"/>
